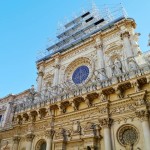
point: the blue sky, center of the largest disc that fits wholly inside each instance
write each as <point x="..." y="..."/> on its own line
<point x="26" y="26"/>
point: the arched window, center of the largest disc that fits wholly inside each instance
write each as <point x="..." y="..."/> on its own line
<point x="88" y="148"/>
<point x="43" y="146"/>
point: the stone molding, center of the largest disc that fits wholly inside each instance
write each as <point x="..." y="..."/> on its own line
<point x="49" y="133"/>
<point x="16" y="139"/>
<point x="106" y="122"/>
<point x="125" y="34"/>
<point x="30" y="137"/>
<point x="142" y="115"/>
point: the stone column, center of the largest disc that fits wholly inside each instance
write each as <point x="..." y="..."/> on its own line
<point x="143" y="115"/>
<point x="100" y="57"/>
<point x="127" y="48"/>
<point x="49" y="133"/>
<point x="106" y="124"/>
<point x="56" y="72"/>
<point x="29" y="138"/>
<point x="16" y="140"/>
<point x="126" y="44"/>
<point x="40" y="77"/>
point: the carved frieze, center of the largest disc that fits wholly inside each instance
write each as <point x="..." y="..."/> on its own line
<point x="142" y="114"/>
<point x="105" y="122"/>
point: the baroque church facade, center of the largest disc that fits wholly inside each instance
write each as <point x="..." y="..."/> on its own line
<point x="93" y="92"/>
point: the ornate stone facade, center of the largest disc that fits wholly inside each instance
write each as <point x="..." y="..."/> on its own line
<point x="93" y="95"/>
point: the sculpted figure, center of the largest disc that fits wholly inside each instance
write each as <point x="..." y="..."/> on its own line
<point x="118" y="67"/>
<point x="76" y="127"/>
<point x="132" y="65"/>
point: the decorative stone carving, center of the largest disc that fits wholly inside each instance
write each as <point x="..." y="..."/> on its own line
<point x="75" y="64"/>
<point x="49" y="133"/>
<point x="88" y="102"/>
<point x="106" y="122"/>
<point x="89" y="126"/>
<point x="60" y="134"/>
<point x="32" y="116"/>
<point x="136" y="86"/>
<point x="74" y="105"/>
<point x="127" y="136"/>
<point x="119" y="92"/>
<point x="118" y="66"/>
<point x="76" y="127"/>
<point x="132" y="65"/>
<point x="30" y="136"/>
<point x="142" y="114"/>
<point x="103" y="97"/>
<point x="125" y="34"/>
<point x="16" y="139"/>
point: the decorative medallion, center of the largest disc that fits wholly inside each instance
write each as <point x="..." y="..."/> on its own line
<point x="127" y="135"/>
<point x="80" y="74"/>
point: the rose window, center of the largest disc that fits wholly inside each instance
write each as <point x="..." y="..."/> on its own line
<point x="80" y="74"/>
<point x="127" y="135"/>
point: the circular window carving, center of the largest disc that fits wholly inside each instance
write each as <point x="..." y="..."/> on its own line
<point x="79" y="70"/>
<point x="127" y="135"/>
<point x="80" y="74"/>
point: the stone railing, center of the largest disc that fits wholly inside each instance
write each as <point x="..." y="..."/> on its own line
<point x="67" y="90"/>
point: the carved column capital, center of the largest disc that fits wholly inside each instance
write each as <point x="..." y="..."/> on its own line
<point x="57" y="66"/>
<point x="125" y="34"/>
<point x="16" y="139"/>
<point x="40" y="73"/>
<point x="142" y="114"/>
<point x="30" y="136"/>
<point x="98" y="46"/>
<point x="106" y="122"/>
<point x="49" y="133"/>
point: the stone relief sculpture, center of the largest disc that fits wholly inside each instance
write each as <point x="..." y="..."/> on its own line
<point x="76" y="127"/>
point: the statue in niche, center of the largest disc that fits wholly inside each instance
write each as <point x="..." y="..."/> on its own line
<point x="118" y="66"/>
<point x="112" y="66"/>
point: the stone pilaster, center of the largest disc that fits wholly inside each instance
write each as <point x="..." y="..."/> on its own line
<point x="106" y="124"/>
<point x="49" y="133"/>
<point x="127" y="49"/>
<point x="143" y="116"/>
<point x="16" y="140"/>
<point x="40" y="80"/>
<point x="29" y="139"/>
<point x="56" y="71"/>
<point x="100" y="57"/>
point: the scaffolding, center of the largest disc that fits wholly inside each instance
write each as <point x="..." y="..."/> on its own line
<point x="82" y="27"/>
